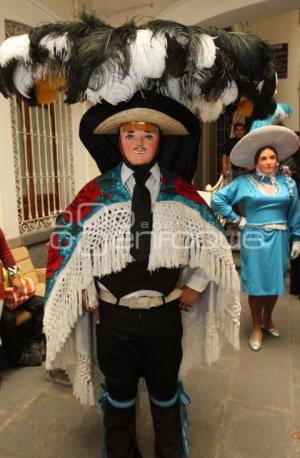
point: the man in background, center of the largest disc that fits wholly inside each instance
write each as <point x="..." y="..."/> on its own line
<point x="239" y="131"/>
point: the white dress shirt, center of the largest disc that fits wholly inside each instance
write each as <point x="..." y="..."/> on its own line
<point x="195" y="277"/>
<point x="152" y="183"/>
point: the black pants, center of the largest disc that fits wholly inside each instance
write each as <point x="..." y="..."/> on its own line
<point x="133" y="344"/>
<point x="15" y="338"/>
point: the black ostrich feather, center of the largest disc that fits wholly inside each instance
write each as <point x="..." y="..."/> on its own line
<point x="210" y="83"/>
<point x="87" y="53"/>
<point x="196" y="46"/>
<point x="265" y="104"/>
<point x="7" y="87"/>
<point x="263" y="108"/>
<point x="74" y="30"/>
<point x="178" y="39"/>
<point x="249" y="54"/>
<point x="98" y="52"/>
<point x="217" y="78"/>
<point x="177" y="55"/>
<point x="32" y="98"/>
<point x="172" y="28"/>
<point x="95" y="58"/>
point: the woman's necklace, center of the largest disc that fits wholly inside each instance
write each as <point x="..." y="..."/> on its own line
<point x="269" y="189"/>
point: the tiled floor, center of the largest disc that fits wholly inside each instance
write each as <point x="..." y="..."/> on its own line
<point x="245" y="406"/>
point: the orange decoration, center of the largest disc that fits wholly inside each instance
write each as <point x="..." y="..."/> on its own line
<point x="245" y="108"/>
<point x="46" y="91"/>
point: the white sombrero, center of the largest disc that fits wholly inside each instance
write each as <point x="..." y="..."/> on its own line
<point x="282" y="139"/>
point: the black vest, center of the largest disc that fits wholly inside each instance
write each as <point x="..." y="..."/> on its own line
<point x="136" y="277"/>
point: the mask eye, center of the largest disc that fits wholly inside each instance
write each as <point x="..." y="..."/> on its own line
<point x="129" y="136"/>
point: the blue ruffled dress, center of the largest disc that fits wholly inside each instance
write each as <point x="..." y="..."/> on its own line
<point x="264" y="252"/>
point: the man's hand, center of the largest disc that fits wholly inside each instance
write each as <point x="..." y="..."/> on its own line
<point x="188" y="297"/>
<point x="86" y="307"/>
<point x="17" y="284"/>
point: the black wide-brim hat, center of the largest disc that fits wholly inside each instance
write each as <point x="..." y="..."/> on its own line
<point x="180" y="128"/>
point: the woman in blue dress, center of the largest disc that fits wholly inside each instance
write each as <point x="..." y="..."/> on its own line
<point x="271" y="222"/>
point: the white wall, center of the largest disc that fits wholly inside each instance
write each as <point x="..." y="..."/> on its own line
<point x="29" y="12"/>
<point x="285" y="28"/>
<point x="85" y="167"/>
<point x="223" y="13"/>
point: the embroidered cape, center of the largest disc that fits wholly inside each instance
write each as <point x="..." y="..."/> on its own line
<point x="92" y="238"/>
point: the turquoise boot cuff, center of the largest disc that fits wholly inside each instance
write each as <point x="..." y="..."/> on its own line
<point x="184" y="401"/>
<point x="104" y="399"/>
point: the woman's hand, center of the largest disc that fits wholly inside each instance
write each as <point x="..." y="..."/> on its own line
<point x="295" y="250"/>
<point x="240" y="222"/>
<point x="188" y="297"/>
<point x="17" y="284"/>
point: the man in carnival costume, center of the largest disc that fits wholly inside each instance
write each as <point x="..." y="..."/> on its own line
<point x="138" y="243"/>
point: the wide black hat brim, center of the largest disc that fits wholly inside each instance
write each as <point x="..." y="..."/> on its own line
<point x="178" y="153"/>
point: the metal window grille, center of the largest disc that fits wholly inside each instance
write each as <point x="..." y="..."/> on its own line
<point x="43" y="159"/>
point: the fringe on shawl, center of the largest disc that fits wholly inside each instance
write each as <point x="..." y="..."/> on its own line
<point x="205" y="333"/>
<point x="201" y="246"/>
<point x="78" y="360"/>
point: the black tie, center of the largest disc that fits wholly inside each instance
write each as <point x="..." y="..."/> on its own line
<point x="141" y="225"/>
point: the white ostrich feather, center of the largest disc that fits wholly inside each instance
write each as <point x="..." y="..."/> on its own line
<point x="205" y="50"/>
<point x="15" y="48"/>
<point x="112" y="87"/>
<point x="112" y="91"/>
<point x="260" y="85"/>
<point x="148" y="54"/>
<point x="23" y="79"/>
<point x="59" y="46"/>
<point x="173" y="89"/>
<point x="208" y="111"/>
<point x="230" y="94"/>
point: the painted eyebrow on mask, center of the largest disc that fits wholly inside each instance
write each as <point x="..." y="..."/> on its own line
<point x="132" y="132"/>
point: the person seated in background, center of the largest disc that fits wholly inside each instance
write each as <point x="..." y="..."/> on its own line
<point x="239" y="131"/>
<point x="23" y="345"/>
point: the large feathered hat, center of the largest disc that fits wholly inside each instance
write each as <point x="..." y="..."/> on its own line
<point x="156" y="64"/>
<point x="204" y="69"/>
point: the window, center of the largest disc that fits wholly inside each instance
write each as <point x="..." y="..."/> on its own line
<point x="43" y="157"/>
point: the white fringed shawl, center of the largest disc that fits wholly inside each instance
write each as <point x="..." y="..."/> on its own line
<point x="180" y="237"/>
